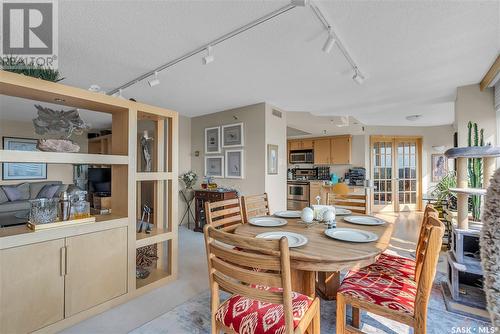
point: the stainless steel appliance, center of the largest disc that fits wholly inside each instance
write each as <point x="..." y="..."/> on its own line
<point x="301" y="157"/>
<point x="297" y="195"/>
<point x="306" y="173"/>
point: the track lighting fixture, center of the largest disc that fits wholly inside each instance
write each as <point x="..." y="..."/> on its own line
<point x="155" y="81"/>
<point x="358" y="77"/>
<point x="209" y="57"/>
<point x="329" y="43"/>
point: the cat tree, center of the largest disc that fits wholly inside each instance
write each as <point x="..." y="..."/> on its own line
<point x="465" y="275"/>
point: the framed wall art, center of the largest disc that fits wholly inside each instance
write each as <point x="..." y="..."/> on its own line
<point x="22" y="171"/>
<point x="212" y="140"/>
<point x="232" y="135"/>
<point x="234" y="164"/>
<point x="439" y="166"/>
<point x="272" y="159"/>
<point x="214" y="166"/>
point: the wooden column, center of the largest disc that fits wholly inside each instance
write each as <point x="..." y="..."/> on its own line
<point x="488" y="170"/>
<point x="462" y="199"/>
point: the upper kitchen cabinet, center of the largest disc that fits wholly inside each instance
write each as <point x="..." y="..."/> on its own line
<point x="300" y="144"/>
<point x="340" y="147"/>
<point x="322" y="151"/>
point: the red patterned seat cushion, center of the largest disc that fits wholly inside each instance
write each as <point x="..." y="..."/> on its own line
<point x="249" y="316"/>
<point x="395" y="292"/>
<point x="396" y="264"/>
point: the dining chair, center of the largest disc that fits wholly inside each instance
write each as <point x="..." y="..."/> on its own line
<point x="355" y="203"/>
<point x="261" y="301"/>
<point x="226" y="215"/>
<point x="390" y="294"/>
<point x="255" y="205"/>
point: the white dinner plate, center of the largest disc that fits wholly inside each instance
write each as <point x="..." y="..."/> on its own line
<point x="266" y="221"/>
<point x="287" y="214"/>
<point x="364" y="220"/>
<point x="294" y="239"/>
<point x="351" y="235"/>
<point x="342" y="212"/>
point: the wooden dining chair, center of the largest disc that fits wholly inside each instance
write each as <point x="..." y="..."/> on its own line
<point x="261" y="302"/>
<point x="397" y="297"/>
<point x="226" y="215"/>
<point x="255" y="205"/>
<point x="355" y="203"/>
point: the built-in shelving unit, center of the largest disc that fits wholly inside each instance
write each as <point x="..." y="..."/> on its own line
<point x="130" y="183"/>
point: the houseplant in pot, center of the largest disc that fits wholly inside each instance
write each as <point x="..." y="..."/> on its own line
<point x="189" y="179"/>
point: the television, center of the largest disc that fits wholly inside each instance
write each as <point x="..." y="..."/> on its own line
<point x="100" y="180"/>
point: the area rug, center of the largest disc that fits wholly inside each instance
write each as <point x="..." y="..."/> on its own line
<point x="194" y="317"/>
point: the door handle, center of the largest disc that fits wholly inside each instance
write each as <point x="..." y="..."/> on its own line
<point x="63" y="261"/>
<point x="66" y="260"/>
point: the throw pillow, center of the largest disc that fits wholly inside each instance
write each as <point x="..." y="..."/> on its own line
<point x="3" y="197"/>
<point x="18" y="192"/>
<point x="48" y="191"/>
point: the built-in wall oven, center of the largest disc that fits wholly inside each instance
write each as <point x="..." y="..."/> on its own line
<point x="301" y="157"/>
<point x="297" y="195"/>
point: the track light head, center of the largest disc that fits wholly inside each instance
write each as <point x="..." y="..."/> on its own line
<point x="155" y="81"/>
<point x="358" y="77"/>
<point x="209" y="57"/>
<point x="300" y="3"/>
<point x="329" y="43"/>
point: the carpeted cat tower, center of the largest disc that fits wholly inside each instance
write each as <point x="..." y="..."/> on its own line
<point x="490" y="248"/>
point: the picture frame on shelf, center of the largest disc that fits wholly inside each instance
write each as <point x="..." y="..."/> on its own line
<point x="439" y="167"/>
<point x="214" y="166"/>
<point x="212" y="140"/>
<point x="233" y="135"/>
<point x="272" y="159"/>
<point x="22" y="171"/>
<point x="235" y="164"/>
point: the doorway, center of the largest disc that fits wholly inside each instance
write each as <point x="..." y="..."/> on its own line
<point x="396" y="166"/>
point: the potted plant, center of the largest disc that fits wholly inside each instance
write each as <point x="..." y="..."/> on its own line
<point x="19" y="66"/>
<point x="441" y="191"/>
<point x="189" y="179"/>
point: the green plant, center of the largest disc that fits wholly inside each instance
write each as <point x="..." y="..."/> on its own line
<point x="475" y="167"/>
<point x="441" y="191"/>
<point x="19" y="66"/>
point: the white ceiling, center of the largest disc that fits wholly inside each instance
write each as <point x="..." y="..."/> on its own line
<point x="415" y="54"/>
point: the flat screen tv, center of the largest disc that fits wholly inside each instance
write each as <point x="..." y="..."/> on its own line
<point x="100" y="180"/>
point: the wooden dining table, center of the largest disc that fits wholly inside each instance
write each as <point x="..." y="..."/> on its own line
<point x="324" y="255"/>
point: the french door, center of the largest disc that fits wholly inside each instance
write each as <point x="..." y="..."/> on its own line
<point x="396" y="173"/>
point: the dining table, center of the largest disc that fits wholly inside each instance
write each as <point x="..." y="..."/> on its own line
<point x="322" y="258"/>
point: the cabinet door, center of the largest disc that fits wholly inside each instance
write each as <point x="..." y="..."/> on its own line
<point x="295" y="145"/>
<point x="341" y="150"/>
<point x="307" y="144"/>
<point x="96" y="269"/>
<point x="314" y="190"/>
<point x="31" y="286"/>
<point x="322" y="151"/>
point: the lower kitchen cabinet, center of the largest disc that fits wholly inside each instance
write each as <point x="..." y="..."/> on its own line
<point x="31" y="286"/>
<point x="45" y="282"/>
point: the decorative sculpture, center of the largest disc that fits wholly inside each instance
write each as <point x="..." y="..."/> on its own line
<point x="59" y="123"/>
<point x="146" y="150"/>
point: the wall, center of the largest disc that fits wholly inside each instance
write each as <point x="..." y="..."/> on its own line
<point x="275" y="185"/>
<point x="184" y="157"/>
<point x="253" y="118"/>
<point x="473" y="105"/>
<point x="55" y="172"/>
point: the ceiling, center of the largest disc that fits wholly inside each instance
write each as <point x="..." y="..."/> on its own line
<point x="414" y="54"/>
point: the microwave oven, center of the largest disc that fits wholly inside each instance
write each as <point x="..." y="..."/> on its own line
<point x="302" y="157"/>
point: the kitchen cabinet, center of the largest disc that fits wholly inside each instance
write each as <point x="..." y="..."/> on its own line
<point x="322" y="151"/>
<point x="295" y="145"/>
<point x="315" y="190"/>
<point x="96" y="269"/>
<point x="302" y="144"/>
<point x="31" y="286"/>
<point x="340" y="147"/>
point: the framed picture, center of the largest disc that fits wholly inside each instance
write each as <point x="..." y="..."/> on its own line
<point x="214" y="166"/>
<point x="22" y="171"/>
<point x="234" y="164"/>
<point x="232" y="135"/>
<point x="272" y="159"/>
<point x="439" y="165"/>
<point x="212" y="140"/>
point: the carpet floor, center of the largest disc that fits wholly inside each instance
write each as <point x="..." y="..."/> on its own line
<point x="193" y="316"/>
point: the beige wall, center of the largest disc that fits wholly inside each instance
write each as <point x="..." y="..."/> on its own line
<point x="276" y="135"/>
<point x="473" y="105"/>
<point x="253" y="118"/>
<point x="55" y="172"/>
<point x="184" y="157"/>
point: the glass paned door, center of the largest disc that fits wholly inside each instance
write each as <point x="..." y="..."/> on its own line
<point x="395" y="173"/>
<point x="382" y="161"/>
